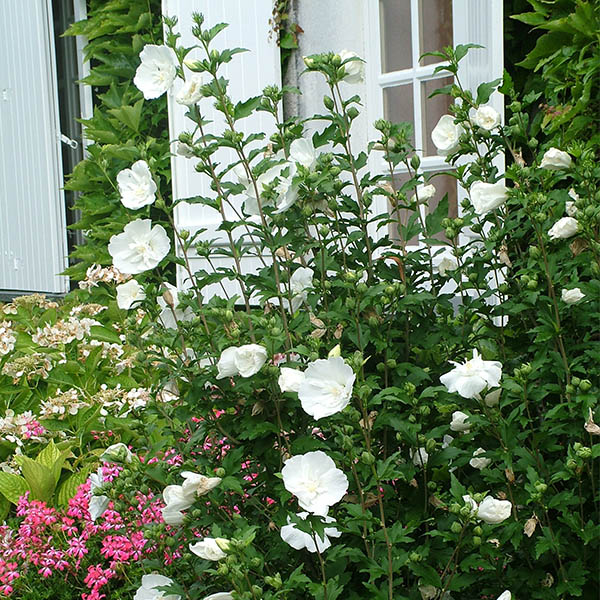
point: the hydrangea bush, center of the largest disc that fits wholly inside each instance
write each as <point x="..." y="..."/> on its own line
<point x="366" y="417"/>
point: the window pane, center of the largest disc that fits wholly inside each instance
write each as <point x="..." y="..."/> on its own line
<point x="398" y="105"/>
<point x="435" y="20"/>
<point x="396" y="46"/>
<point x="401" y="215"/>
<point x="444" y="184"/>
<point x="432" y="109"/>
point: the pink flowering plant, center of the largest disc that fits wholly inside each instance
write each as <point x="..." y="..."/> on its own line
<point x="395" y="404"/>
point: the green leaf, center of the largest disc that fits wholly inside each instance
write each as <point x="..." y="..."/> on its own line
<point x="244" y="109"/>
<point x="433" y="221"/>
<point x="39" y="478"/>
<point x="68" y="488"/>
<point x="104" y="334"/>
<point x="49" y="455"/>
<point x="12" y="487"/>
<point x="129" y="115"/>
<point x="484" y="91"/>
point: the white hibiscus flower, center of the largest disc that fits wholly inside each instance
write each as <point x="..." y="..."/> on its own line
<point x="139" y="247"/>
<point x="327" y="387"/>
<point x="299" y="539"/>
<point x="136" y="186"/>
<point x="157" y="71"/>
<point x="472" y="377"/>
<point x="314" y="479"/>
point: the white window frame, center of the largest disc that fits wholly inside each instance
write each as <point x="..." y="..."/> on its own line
<point x="474" y="22"/>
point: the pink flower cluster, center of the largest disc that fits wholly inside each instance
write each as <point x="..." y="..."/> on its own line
<point x="50" y="541"/>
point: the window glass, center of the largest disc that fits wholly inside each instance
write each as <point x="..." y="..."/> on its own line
<point x="444" y="184"/>
<point x="396" y="45"/>
<point x="432" y="109"/>
<point x="398" y="105"/>
<point x="435" y="20"/>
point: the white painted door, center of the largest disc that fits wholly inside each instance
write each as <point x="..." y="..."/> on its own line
<point x="33" y="241"/>
<point x="248" y="74"/>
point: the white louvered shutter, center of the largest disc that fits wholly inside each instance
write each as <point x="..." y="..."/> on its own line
<point x="248" y="73"/>
<point x="33" y="240"/>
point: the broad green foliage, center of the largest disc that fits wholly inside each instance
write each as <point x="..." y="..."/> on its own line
<point x="123" y="129"/>
<point x="440" y="398"/>
<point x="566" y="57"/>
<point x="451" y="384"/>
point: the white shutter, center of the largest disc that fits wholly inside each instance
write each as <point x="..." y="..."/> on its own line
<point x="248" y="73"/>
<point x="477" y="22"/>
<point x="33" y="241"/>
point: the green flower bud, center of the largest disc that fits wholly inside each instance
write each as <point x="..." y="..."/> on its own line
<point x="585" y="385"/>
<point x="352" y="112"/>
<point x="584" y="452"/>
<point x="367" y="458"/>
<point x="477" y="530"/>
<point x="465" y="511"/>
<point x="455" y="508"/>
<point x="362" y="288"/>
<point x="575" y="381"/>
<point x="328" y="102"/>
<point x="415" y="557"/>
<point x="415" y="162"/>
<point x="220" y="472"/>
<point x="456" y="527"/>
<point x="391" y="363"/>
<point x="476" y="540"/>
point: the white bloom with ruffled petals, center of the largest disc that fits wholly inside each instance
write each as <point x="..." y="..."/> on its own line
<point x="210" y="548"/>
<point x="506" y="595"/>
<point x="196" y="484"/>
<point x="191" y="92"/>
<point x="564" y="228"/>
<point x="419" y="457"/>
<point x="157" y="71"/>
<point x="299" y="539"/>
<point x="220" y="596"/>
<point x="459" y="422"/>
<point x="136" y="186"/>
<point x="148" y="590"/>
<point x="572" y="296"/>
<point x="472" y="377"/>
<point x="301" y="282"/>
<point x="327" y="387"/>
<point x="244" y="360"/>
<point x="314" y="479"/>
<point x="494" y="511"/>
<point x="303" y="152"/>
<point x="139" y="247"/>
<point x="290" y="379"/>
<point x="480" y="463"/>
<point x="129" y="293"/>
<point x="485" y="197"/>
<point x="355" y="69"/>
<point x="446" y="135"/>
<point x="555" y="160"/>
<point x="486" y="117"/>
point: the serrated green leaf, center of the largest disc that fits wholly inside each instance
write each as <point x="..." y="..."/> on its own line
<point x="39" y="478"/>
<point x="12" y="487"/>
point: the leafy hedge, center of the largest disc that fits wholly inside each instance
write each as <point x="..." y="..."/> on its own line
<point x="124" y="127"/>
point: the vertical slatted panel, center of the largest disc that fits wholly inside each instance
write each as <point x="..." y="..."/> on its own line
<point x="248" y="73"/>
<point x="33" y="243"/>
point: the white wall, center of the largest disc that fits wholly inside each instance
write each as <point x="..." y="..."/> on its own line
<point x="329" y="25"/>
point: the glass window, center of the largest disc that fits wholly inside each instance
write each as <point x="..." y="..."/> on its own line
<point x="396" y="45"/>
<point x="432" y="109"/>
<point x="398" y="105"/>
<point x="435" y="18"/>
